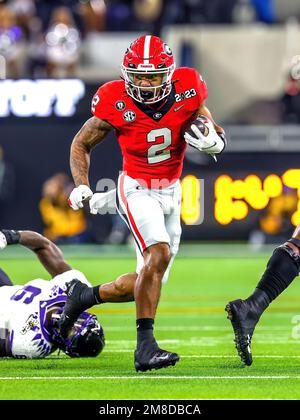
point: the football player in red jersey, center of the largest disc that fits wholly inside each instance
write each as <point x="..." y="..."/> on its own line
<point x="147" y="110"/>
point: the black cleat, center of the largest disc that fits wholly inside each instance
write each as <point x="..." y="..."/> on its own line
<point x="243" y="320"/>
<point x="155" y="359"/>
<point x="73" y="307"/>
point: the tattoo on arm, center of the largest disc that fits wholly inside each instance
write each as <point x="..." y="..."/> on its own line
<point x="90" y="134"/>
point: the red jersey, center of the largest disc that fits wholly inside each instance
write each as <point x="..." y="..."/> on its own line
<point x="150" y="137"/>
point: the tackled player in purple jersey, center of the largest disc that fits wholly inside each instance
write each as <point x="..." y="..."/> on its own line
<point x="29" y="313"/>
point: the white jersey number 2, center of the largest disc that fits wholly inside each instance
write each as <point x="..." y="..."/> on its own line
<point x="153" y="135"/>
<point x="95" y="102"/>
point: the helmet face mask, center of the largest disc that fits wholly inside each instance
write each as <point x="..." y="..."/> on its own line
<point x="86" y="338"/>
<point x="148" y="94"/>
<point x="148" y="55"/>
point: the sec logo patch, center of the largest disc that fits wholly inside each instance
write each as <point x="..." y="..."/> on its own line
<point x="129" y="115"/>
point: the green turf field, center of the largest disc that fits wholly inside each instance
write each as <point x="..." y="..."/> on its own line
<point x="191" y="321"/>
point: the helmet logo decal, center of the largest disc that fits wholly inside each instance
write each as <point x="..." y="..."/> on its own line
<point x="167" y="49"/>
<point x="129" y="115"/>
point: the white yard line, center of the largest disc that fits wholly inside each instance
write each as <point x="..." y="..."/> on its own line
<point x="273" y="356"/>
<point x="198" y="328"/>
<point x="204" y="342"/>
<point x="217" y="356"/>
<point x="47" y="378"/>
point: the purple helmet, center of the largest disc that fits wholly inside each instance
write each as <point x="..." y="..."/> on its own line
<point x="85" y="339"/>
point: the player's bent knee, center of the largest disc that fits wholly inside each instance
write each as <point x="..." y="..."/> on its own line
<point x="158" y="257"/>
<point x="161" y="254"/>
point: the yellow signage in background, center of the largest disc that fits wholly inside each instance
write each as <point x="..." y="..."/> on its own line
<point x="191" y="200"/>
<point x="291" y="178"/>
<point x="234" y="198"/>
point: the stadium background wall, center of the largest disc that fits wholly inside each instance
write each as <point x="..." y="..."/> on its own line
<point x="39" y="147"/>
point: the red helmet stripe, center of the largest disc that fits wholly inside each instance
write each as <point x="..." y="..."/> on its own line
<point x="147" y="48"/>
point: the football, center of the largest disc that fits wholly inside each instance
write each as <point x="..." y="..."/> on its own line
<point x="201" y="122"/>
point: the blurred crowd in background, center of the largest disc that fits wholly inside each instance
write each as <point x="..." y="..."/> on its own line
<point x="47" y="38"/>
<point x="39" y="36"/>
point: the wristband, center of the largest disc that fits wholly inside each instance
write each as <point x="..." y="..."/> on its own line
<point x="12" y="236"/>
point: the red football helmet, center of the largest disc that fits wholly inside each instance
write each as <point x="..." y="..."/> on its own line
<point x="148" y="55"/>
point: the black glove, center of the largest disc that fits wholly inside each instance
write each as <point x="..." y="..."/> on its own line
<point x="12" y="236"/>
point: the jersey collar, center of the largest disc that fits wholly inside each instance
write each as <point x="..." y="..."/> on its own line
<point x="159" y="112"/>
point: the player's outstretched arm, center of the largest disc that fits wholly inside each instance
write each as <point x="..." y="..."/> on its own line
<point x="91" y="133"/>
<point x="48" y="253"/>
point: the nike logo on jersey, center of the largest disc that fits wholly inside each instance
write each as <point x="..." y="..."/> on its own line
<point x="178" y="108"/>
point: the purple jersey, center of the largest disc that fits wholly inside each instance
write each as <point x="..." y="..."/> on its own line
<point x="24" y="309"/>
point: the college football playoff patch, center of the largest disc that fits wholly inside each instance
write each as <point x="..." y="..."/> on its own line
<point x="120" y="105"/>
